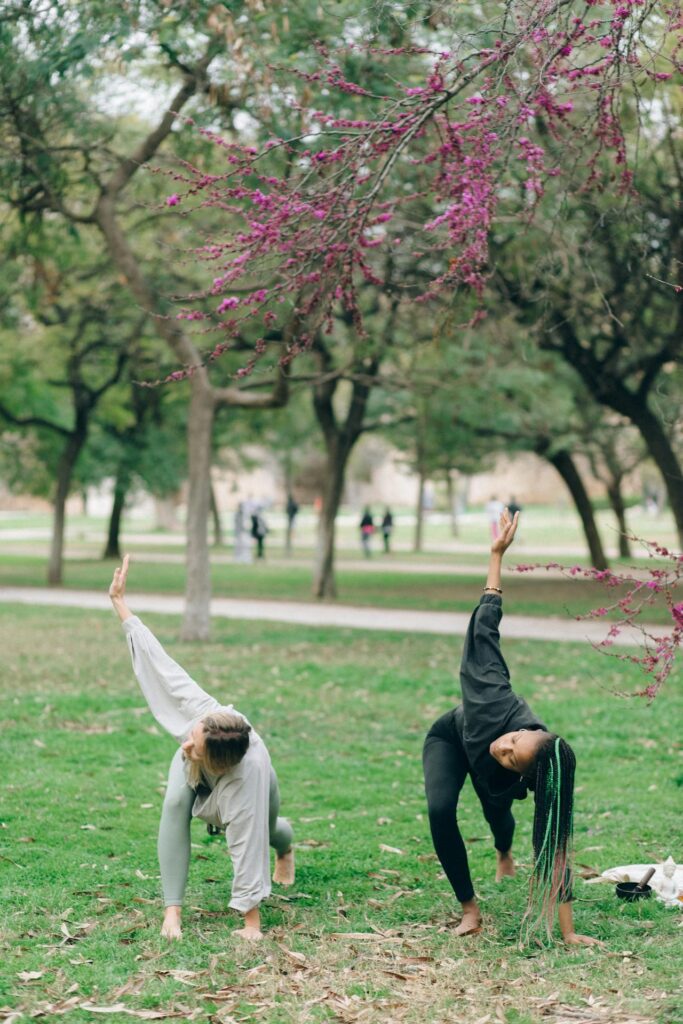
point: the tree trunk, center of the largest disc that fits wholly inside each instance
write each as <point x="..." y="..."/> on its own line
<point x="452" y="510"/>
<point x="419" y="514"/>
<point x="65" y="469"/>
<point x="216" y="516"/>
<point x="616" y="500"/>
<point x="324" y="583"/>
<point x="195" y="625"/>
<point x="612" y="392"/>
<point x="112" y="549"/>
<point x="564" y="464"/>
<point x="663" y="455"/>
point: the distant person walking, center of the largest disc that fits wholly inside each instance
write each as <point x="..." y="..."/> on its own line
<point x="494" y="510"/>
<point x="242" y="539"/>
<point x="367" y="528"/>
<point x="387" y="528"/>
<point x="514" y="507"/>
<point x="292" y="512"/>
<point x="259" y="530"/>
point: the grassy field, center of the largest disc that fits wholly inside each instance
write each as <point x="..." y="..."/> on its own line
<point x="549" y="527"/>
<point x="364" y="936"/>
<point x="528" y="594"/>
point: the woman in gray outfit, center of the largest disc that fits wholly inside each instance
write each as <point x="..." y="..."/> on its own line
<point x="221" y="773"/>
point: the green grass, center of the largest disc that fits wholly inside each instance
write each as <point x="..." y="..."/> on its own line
<point x="344" y="715"/>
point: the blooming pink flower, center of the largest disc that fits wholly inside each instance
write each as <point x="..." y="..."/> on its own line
<point x="173" y="200"/>
<point x="228" y="303"/>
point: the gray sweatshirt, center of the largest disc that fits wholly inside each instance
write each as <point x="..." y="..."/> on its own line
<point x="239" y="799"/>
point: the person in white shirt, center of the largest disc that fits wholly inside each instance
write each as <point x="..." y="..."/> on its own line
<point x="221" y="773"/>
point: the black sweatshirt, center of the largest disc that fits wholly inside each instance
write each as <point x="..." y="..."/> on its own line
<point x="490" y="707"/>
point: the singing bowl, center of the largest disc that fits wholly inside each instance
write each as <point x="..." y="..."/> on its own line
<point x="630" y="891"/>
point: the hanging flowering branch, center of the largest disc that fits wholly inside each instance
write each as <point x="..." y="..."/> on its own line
<point x="417" y="172"/>
<point x="637" y="593"/>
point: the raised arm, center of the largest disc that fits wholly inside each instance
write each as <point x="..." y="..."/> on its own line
<point x="174" y="698"/>
<point x="484" y="676"/>
<point x="508" y="529"/>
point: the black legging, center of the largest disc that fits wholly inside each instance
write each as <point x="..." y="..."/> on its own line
<point x="445" y="769"/>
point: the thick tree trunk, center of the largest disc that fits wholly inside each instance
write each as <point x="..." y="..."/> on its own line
<point x="195" y="625"/>
<point x="609" y="390"/>
<point x="663" y="455"/>
<point x="216" y="516"/>
<point x="564" y="464"/>
<point x="112" y="548"/>
<point x="203" y="402"/>
<point x="324" y="582"/>
<point x="616" y="500"/>
<point x="65" y="469"/>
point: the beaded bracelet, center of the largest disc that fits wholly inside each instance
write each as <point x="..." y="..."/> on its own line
<point x="497" y="589"/>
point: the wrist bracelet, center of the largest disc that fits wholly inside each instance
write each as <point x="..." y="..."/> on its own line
<point x="497" y="589"/>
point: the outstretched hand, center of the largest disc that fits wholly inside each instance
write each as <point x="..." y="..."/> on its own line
<point x="508" y="529"/>
<point x="117" y="590"/>
<point x="574" y="939"/>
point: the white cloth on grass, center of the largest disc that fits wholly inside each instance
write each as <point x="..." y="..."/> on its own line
<point x="634" y="873"/>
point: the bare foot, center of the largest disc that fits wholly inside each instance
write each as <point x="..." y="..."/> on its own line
<point x="284" y="868"/>
<point x="171" y="929"/>
<point x="471" y="919"/>
<point x="505" y="867"/>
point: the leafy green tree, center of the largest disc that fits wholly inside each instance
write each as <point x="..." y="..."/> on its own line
<point x="604" y="296"/>
<point x="72" y="355"/>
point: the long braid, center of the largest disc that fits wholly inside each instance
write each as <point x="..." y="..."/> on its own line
<point x="552" y="835"/>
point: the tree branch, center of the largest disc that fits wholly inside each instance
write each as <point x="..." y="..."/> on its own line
<point x="33" y="421"/>
<point x="150" y="145"/>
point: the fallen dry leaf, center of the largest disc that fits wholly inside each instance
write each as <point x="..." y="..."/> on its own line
<point x="390" y="849"/>
<point x="29" y="975"/>
<point x="141" y="1014"/>
<point x="297" y="958"/>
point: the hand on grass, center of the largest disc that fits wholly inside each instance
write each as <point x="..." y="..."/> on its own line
<point x="574" y="939"/>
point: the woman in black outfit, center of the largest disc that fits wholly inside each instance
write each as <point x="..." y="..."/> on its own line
<point x="494" y="737"/>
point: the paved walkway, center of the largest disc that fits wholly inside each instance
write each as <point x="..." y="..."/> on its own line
<point x="309" y="614"/>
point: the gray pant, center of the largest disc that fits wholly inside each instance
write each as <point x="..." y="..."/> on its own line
<point x="174" y="830"/>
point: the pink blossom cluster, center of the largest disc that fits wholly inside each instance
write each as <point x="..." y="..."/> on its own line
<point x="440" y="156"/>
<point x="638" y="593"/>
